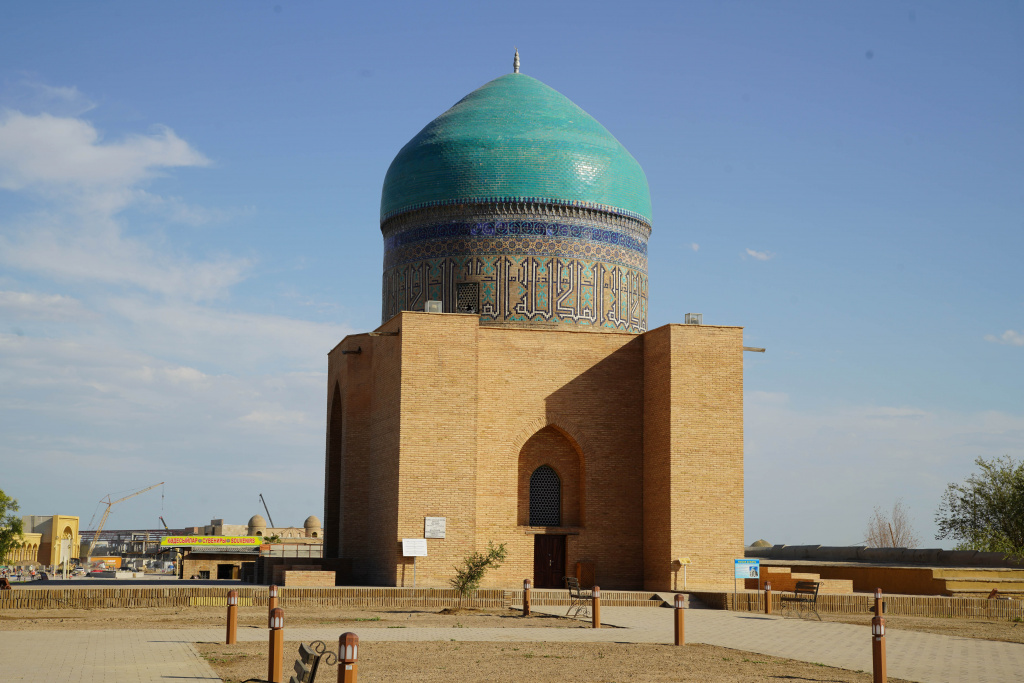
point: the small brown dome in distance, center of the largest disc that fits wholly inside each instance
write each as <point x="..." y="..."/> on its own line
<point x="312" y="522"/>
<point x="761" y="543"/>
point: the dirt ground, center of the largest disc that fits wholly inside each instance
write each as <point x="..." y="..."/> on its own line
<point x="214" y="617"/>
<point x="564" y="662"/>
<point x="362" y="618"/>
<point x="1007" y="631"/>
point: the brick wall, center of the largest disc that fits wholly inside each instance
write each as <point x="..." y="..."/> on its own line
<point x="308" y="579"/>
<point x="588" y="386"/>
<point x="438" y="459"/>
<point x="464" y="413"/>
<point x="693" y="459"/>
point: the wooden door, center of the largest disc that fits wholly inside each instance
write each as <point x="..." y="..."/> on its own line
<point x="548" y="560"/>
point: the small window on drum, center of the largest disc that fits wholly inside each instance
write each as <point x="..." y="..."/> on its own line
<point x="467" y="297"/>
<point x="545" y="497"/>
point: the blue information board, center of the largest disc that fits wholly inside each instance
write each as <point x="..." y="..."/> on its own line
<point x="747" y="569"/>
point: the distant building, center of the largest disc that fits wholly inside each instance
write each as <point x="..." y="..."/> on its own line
<point x="218" y="562"/>
<point x="47" y="540"/>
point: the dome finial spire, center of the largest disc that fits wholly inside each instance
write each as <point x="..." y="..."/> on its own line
<point x="515" y="62"/>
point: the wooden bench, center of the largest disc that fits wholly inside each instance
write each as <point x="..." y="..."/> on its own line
<point x="804" y="596"/>
<point x="579" y="599"/>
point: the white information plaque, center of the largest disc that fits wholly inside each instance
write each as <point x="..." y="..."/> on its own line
<point x="433" y="527"/>
<point x="414" y="547"/>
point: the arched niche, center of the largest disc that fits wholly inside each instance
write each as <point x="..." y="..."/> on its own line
<point x="333" y="490"/>
<point x="550" y="447"/>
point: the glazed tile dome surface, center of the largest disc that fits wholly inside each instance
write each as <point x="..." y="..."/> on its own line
<point x="516" y="139"/>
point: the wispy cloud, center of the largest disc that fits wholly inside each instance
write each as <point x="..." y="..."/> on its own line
<point x="1010" y="337"/>
<point x="694" y="246"/>
<point x="44" y="151"/>
<point x="31" y="306"/>
<point x="112" y="355"/>
<point x="83" y="182"/>
<point x="32" y="96"/>
<point x="760" y="255"/>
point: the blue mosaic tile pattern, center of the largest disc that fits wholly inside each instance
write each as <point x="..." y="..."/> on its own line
<point x="516" y="246"/>
<point x="521" y="228"/>
<point x="516" y="139"/>
<point x="525" y="289"/>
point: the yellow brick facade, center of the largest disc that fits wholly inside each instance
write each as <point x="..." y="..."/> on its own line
<point x="436" y="415"/>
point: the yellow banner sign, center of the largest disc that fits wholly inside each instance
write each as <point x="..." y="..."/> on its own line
<point x="225" y="541"/>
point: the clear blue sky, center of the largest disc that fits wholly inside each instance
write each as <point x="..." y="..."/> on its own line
<point x="189" y="199"/>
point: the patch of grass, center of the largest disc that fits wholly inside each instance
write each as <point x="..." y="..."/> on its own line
<point x="368" y="619"/>
<point x="396" y="627"/>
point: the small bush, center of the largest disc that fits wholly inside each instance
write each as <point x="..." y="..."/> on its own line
<point x="471" y="571"/>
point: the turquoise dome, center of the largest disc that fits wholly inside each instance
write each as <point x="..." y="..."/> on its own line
<point x="516" y="139"/>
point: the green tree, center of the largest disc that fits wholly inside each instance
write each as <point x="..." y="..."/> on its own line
<point x="10" y="526"/>
<point x="471" y="571"/>
<point x="986" y="512"/>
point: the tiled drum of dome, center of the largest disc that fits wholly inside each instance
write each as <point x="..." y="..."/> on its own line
<point x="526" y="289"/>
<point x="540" y="265"/>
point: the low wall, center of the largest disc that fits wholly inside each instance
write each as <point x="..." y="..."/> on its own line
<point x="212" y="596"/>
<point x="896" y="605"/>
<point x="127" y="598"/>
<point x="932" y="557"/>
<point x="898" y="580"/>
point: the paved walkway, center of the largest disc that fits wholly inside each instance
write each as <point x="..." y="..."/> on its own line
<point x="167" y="654"/>
<point x="138" y="656"/>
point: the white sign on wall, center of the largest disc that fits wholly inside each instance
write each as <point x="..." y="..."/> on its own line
<point x="414" y="547"/>
<point x="433" y="527"/>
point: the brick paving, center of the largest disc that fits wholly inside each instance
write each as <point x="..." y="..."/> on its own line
<point x="122" y="656"/>
<point x="162" y="654"/>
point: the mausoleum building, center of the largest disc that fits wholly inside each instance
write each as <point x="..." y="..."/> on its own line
<point x="513" y="392"/>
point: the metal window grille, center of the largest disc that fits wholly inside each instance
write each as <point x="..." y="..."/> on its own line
<point x="545" y="497"/>
<point x="467" y="297"/>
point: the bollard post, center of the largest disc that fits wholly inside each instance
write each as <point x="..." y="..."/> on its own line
<point x="275" y="660"/>
<point x="767" y="597"/>
<point x="272" y="602"/>
<point x="348" y="653"/>
<point x="527" y="585"/>
<point x="878" y="602"/>
<point x="680" y="601"/>
<point x="878" y="650"/>
<point x="232" y="636"/>
<point x="596" y="596"/>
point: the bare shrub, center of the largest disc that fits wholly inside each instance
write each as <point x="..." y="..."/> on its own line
<point x="891" y="529"/>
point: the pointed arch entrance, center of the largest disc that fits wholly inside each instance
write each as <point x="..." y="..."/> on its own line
<point x="550" y="499"/>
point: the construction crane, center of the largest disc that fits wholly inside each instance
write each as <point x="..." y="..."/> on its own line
<point x="164" y="523"/>
<point x="110" y="503"/>
<point x="268" y="517"/>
